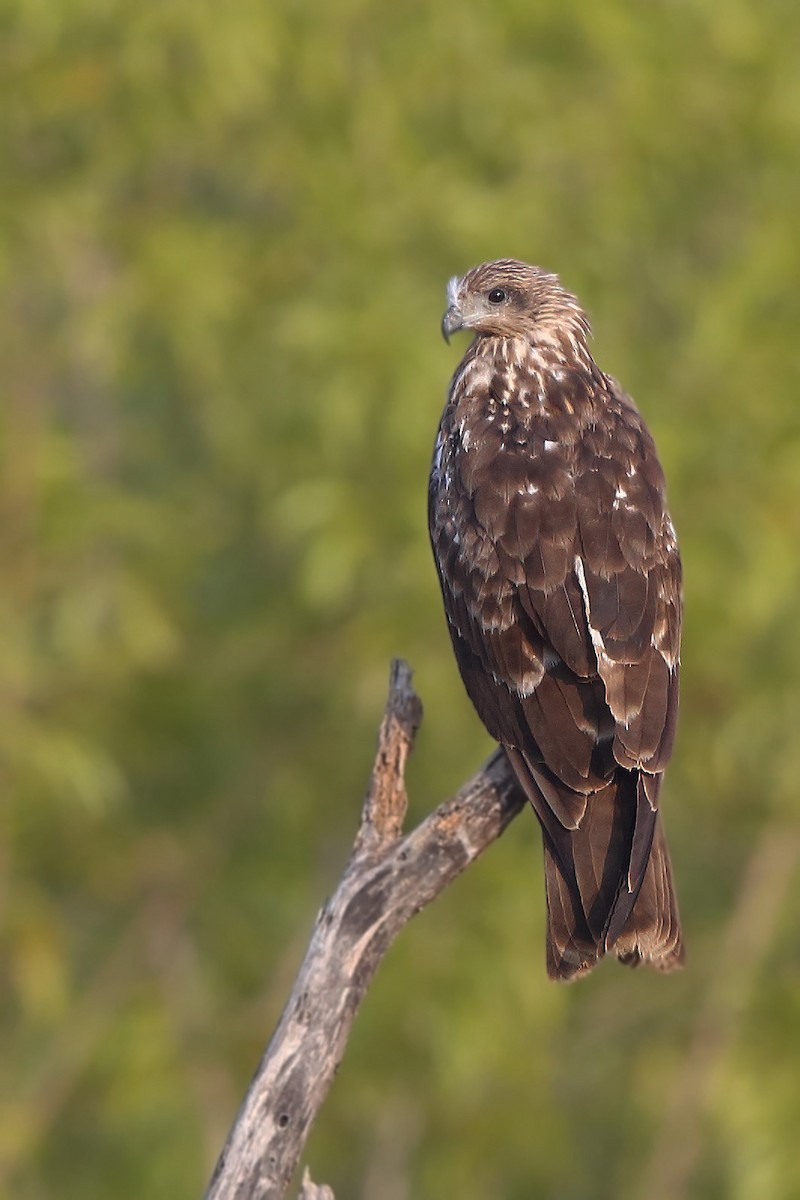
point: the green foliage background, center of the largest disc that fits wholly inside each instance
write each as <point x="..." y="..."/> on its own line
<point x="225" y="235"/>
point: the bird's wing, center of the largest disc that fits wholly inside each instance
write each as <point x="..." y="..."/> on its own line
<point x="563" y="598"/>
<point x="629" y="572"/>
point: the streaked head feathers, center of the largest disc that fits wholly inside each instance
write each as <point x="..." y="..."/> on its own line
<point x="509" y="298"/>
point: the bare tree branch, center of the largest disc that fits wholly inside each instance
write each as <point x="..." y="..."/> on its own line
<point x="313" y="1191"/>
<point x="387" y="880"/>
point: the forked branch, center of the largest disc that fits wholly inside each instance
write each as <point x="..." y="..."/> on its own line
<point x="388" y="878"/>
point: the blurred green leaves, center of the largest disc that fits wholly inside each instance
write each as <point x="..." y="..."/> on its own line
<point x="224" y="237"/>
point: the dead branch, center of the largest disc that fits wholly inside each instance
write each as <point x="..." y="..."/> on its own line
<point x="387" y="880"/>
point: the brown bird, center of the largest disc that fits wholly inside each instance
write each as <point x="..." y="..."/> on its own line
<point x="561" y="579"/>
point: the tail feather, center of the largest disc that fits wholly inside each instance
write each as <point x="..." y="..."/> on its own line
<point x="608" y="881"/>
<point x="571" y="948"/>
<point x="652" y="933"/>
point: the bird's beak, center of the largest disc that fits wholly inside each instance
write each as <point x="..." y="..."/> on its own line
<point x="452" y="321"/>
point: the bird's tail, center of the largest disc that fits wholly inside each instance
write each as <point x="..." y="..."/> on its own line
<point x="599" y="900"/>
<point x="652" y="932"/>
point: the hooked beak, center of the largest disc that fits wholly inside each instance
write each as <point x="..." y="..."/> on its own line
<point x="452" y="321"/>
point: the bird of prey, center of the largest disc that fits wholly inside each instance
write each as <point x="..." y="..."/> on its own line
<point x="561" y="580"/>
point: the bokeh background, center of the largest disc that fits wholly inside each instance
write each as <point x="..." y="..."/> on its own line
<point x="226" y="231"/>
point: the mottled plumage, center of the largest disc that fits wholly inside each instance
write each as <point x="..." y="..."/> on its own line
<point x="561" y="581"/>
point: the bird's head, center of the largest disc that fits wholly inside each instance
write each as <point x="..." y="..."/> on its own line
<point x="508" y="298"/>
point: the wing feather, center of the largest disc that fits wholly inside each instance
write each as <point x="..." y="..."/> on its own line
<point x="561" y="581"/>
<point x="557" y="569"/>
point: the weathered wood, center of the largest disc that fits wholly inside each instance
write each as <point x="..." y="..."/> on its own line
<point x="314" y="1191"/>
<point x="388" y="879"/>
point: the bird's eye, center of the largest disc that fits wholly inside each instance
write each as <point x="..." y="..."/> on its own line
<point x="496" y="296"/>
